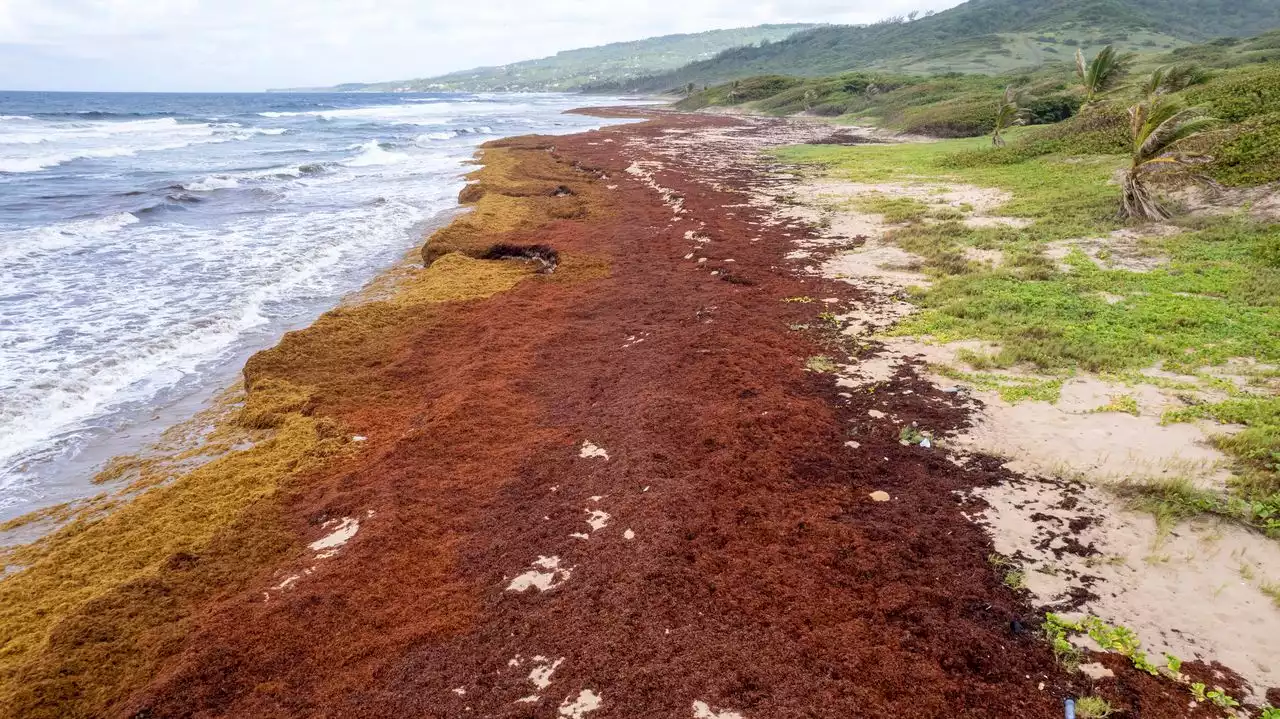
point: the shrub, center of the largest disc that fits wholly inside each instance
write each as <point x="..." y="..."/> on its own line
<point x="1241" y="94"/>
<point x="1052" y="109"/>
<point x="961" y="117"/>
<point x="759" y="88"/>
<point x="1250" y="155"/>
<point x="830" y="109"/>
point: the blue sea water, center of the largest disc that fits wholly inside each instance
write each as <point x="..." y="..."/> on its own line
<point x="149" y="243"/>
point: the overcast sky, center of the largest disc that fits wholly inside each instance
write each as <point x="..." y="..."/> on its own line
<point x="221" y="45"/>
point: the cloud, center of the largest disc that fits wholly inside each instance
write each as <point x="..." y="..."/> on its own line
<point x="253" y="44"/>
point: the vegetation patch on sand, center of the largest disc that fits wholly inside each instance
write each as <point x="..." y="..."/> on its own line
<point x="1078" y="290"/>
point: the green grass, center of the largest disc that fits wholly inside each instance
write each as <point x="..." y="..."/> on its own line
<point x="1064" y="199"/>
<point x="1015" y="580"/>
<point x="1173" y="501"/>
<point x="1257" y="447"/>
<point x="1215" y="297"/>
<point x="1011" y="388"/>
<point x="895" y="210"/>
<point x="1124" y="404"/>
<point x="1093" y="708"/>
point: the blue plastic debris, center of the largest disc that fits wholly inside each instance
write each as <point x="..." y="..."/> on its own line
<point x="1071" y="709"/>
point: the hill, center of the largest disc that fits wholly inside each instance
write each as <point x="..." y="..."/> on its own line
<point x="619" y="62"/>
<point x="980" y="36"/>
<point x="1237" y="79"/>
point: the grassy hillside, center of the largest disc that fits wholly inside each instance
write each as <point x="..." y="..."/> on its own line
<point x="986" y="36"/>
<point x="566" y="71"/>
<point x="1238" y="82"/>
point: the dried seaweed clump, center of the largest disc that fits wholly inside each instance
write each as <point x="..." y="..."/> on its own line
<point x="89" y="558"/>
<point x="522" y="187"/>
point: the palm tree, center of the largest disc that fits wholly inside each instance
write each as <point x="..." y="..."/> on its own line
<point x="733" y="91"/>
<point x="1174" y="78"/>
<point x="810" y="99"/>
<point x="1153" y="87"/>
<point x="1009" y="115"/>
<point x="688" y="90"/>
<point x="1157" y="127"/>
<point x="1103" y="74"/>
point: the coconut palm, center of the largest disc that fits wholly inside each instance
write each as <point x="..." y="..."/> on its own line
<point x="1180" y="77"/>
<point x="1153" y="87"/>
<point x="733" y="91"/>
<point x="1174" y="78"/>
<point x="1009" y="115"/>
<point x="1103" y="74"/>
<point x="810" y="99"/>
<point x="688" y="89"/>
<point x="1157" y="127"/>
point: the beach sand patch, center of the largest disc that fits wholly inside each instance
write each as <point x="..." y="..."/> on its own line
<point x="1187" y="593"/>
<point x="546" y="574"/>
<point x="330" y="544"/>
<point x="1127" y="249"/>
<point x="702" y="710"/>
<point x="586" y="702"/>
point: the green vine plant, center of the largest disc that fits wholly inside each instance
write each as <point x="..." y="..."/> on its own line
<point x="1125" y="641"/>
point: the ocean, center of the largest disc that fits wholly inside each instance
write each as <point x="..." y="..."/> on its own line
<point x="150" y="243"/>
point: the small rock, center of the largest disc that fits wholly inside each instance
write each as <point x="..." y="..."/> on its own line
<point x="880" y="496"/>
<point x="876" y="414"/>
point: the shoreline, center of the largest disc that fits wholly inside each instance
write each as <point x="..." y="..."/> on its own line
<point x="446" y="472"/>
<point x="144" y="428"/>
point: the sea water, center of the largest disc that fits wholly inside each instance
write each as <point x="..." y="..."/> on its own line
<point x="150" y="243"/>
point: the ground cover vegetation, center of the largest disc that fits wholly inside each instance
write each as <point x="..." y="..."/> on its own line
<point x="1085" y="285"/>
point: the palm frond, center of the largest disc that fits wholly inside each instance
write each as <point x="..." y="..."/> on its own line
<point x="1154" y="82"/>
<point x="1009" y="114"/>
<point x="1168" y="124"/>
<point x="1104" y="73"/>
<point x="1180" y="77"/>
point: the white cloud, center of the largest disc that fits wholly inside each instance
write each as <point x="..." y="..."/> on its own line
<point x="253" y="44"/>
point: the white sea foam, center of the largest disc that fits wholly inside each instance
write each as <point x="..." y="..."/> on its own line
<point x="51" y="145"/>
<point x="430" y="137"/>
<point x="372" y="154"/>
<point x="15" y="117"/>
<point x="109" y="340"/>
<point x="61" y="236"/>
<point x="211" y="183"/>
